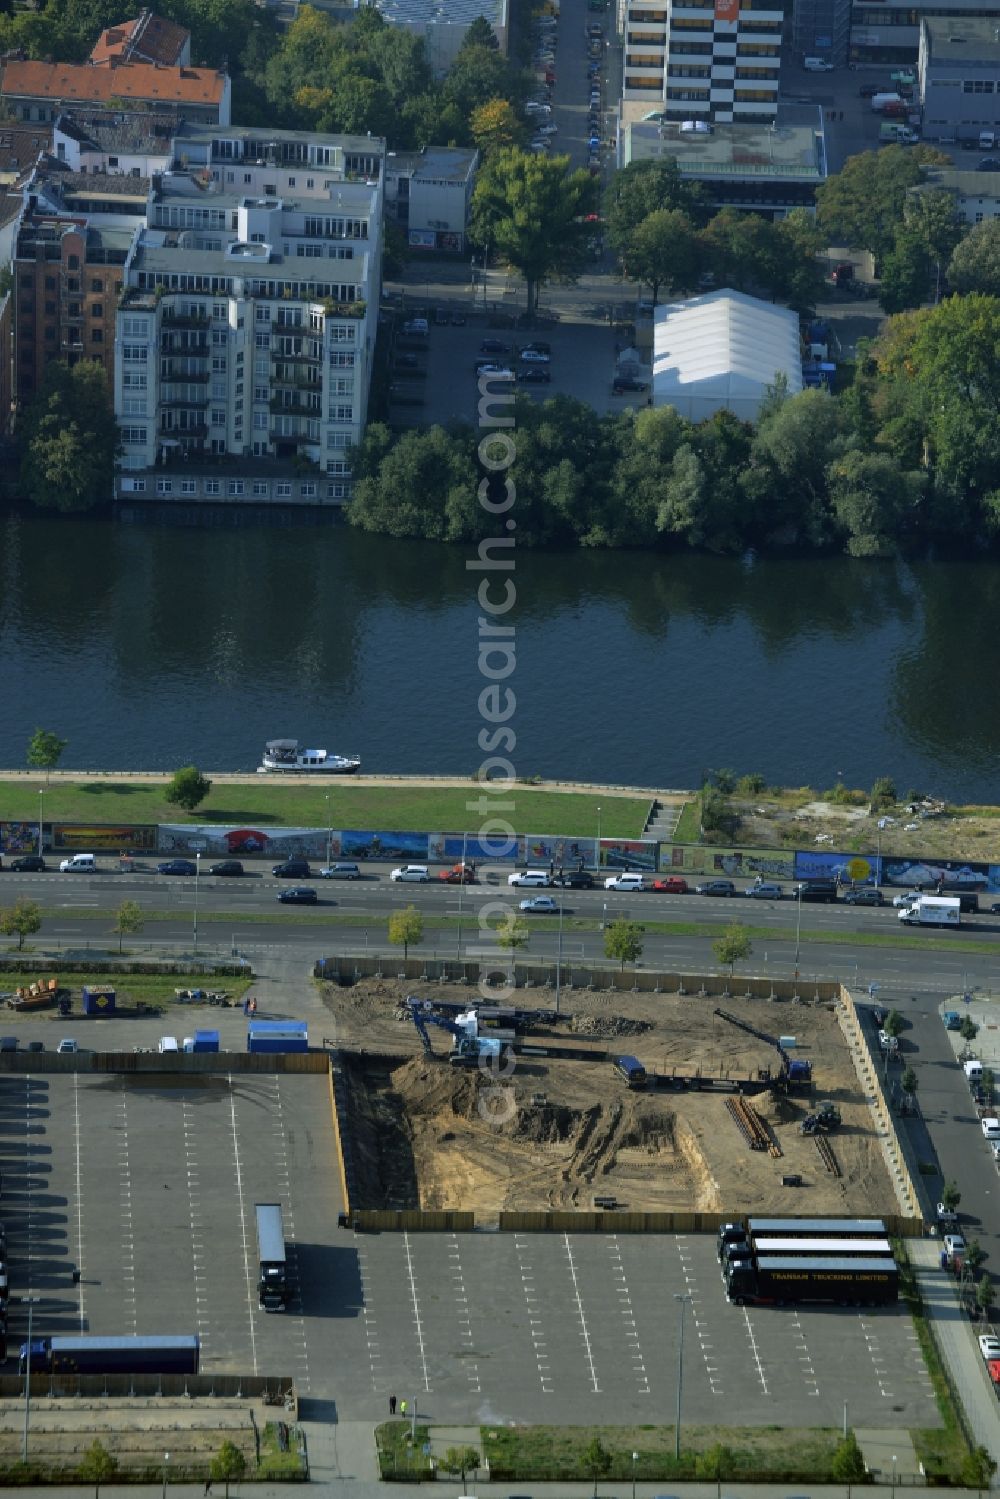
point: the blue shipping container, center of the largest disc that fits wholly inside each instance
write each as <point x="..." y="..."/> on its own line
<point x="206" y="1041"/>
<point x="278" y="1035"/>
<point x="98" y="999"/>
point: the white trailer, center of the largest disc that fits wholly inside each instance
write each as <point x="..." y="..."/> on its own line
<point x="933" y="910"/>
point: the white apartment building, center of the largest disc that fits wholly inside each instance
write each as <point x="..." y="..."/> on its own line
<point x="245" y="336"/>
<point x="717" y="60"/>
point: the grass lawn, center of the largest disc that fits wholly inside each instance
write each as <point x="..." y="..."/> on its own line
<point x="272" y="804"/>
<point x="130" y="988"/>
<point x="396" y="1458"/>
<point x="941" y="1449"/>
<point x="751" y="1453"/>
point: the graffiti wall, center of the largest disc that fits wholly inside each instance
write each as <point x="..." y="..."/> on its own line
<point x="628" y="853"/>
<point x="736" y="863"/>
<point x="450" y="848"/>
<point x="95" y="838"/>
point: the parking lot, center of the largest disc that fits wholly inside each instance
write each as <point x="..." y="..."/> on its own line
<point x="146" y="1185"/>
<point x="582" y="366"/>
<point x="531" y="1327"/>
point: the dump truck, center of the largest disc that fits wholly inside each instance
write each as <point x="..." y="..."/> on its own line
<point x="933" y="910"/>
<point x="780" y="1279"/>
<point x="125" y="1355"/>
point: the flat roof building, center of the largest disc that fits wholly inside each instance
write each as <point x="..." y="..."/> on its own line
<point x="702" y="59"/>
<point x="428" y="194"/>
<point x="888" y="31"/>
<point x="442" y="24"/>
<point x="768" y="168"/>
<point x="958" y="77"/>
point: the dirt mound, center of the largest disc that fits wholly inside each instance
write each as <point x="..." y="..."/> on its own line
<point x="608" y="1025"/>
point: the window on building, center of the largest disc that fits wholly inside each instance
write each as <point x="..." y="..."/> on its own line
<point x="260" y="488"/>
<point x="134" y="406"/>
<point x="343" y="413"/>
<point x="236" y="486"/>
<point x="134" y="435"/>
<point x="282" y="490"/>
<point x="96" y="283"/>
<point x="218" y="418"/>
<point x="260" y="421"/>
<point x="262" y="340"/>
<point x="218" y="390"/>
<point x="164" y="486"/>
<point x="50" y="309"/>
<point x="134" y="352"/>
<point x="213" y="486"/>
<point x="189" y="486"/>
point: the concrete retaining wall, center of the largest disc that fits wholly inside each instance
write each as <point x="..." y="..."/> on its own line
<point x="870" y="1079"/>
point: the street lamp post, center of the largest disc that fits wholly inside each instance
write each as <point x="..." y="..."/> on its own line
<point x="559" y="952"/>
<point x="683" y="1298"/>
<point x="166" y="1463"/>
<point x="41" y="793"/>
<point x="798" y="927"/>
<point x="893" y="1476"/>
<point x="461" y="893"/>
<point x="635" y="1459"/>
<point x="598" y="836"/>
<point x="30" y="1302"/>
<point x="329" y="830"/>
<point x="197" y="872"/>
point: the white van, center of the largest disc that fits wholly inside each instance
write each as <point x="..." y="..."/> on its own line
<point x="79" y="863"/>
<point x="817" y="65"/>
<point x="973" y="1071"/>
<point x="629" y="880"/>
<point x="168" y="1046"/>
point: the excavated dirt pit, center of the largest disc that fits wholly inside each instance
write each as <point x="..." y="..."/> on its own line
<point x="556" y="1132"/>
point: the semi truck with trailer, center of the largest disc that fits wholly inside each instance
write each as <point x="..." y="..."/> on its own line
<point x="933" y="910"/>
<point x="778" y="1280"/>
<point x="125" y="1355"/>
<point x="272" y="1281"/>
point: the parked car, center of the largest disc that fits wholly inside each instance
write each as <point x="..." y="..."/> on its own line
<point x="495" y="371"/>
<point x="534" y="356"/>
<point x="459" y="874"/>
<point x="292" y="869"/>
<point x="298" y="895"/>
<point x="540" y="905"/>
<point x="226" y="868"/>
<point x="493" y="346"/>
<point x="416" y="327"/>
<point x="863" y="896"/>
<point x="575" y="879"/>
<point x="68" y="1044"/>
<point x="27" y="864"/>
<point x="177" y="866"/>
<point x="717" y="887"/>
<point x="989" y="164"/>
<point x="458" y="320"/>
<point x="628" y="879"/>
<point x="989" y="1345"/>
<point x="671" y="884"/>
<point x="340" y="872"/>
<point x="764" y="890"/>
<point x="869" y="90"/>
<point x="417" y="873"/>
<point x="535" y="376"/>
<point x="539" y="347"/>
<point x="78" y="864"/>
<point x="529" y="877"/>
<point x="953" y="1244"/>
<point x="905" y="898"/>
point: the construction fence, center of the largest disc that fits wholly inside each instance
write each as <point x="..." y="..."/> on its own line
<point x="564" y="1222"/>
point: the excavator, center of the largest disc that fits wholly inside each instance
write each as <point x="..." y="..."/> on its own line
<point x="467" y="1044"/>
<point x="795" y="1073"/>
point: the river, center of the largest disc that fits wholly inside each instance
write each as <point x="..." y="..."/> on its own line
<point x="156" y="644"/>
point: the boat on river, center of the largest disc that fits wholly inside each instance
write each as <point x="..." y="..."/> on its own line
<point x="285" y="756"/>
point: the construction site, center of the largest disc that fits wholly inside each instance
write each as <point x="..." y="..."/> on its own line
<point x="648" y="1102"/>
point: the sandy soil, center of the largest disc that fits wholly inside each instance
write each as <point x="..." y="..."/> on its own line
<point x="426" y="1134"/>
<point x="796" y="821"/>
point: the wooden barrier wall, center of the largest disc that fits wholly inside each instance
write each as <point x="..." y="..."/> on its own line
<point x="181" y="1064"/>
<point x="566" y="1222"/>
<point x="411" y="1220"/>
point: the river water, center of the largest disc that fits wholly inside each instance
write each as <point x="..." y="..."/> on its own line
<point x="155" y="644"/>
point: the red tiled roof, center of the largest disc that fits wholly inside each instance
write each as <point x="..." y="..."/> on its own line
<point x="118" y="80"/>
<point x="147" y="38"/>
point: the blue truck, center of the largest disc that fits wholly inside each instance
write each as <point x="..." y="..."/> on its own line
<point x="125" y="1355"/>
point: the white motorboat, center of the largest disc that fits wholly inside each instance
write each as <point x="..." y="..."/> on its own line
<point x="284" y="755"/>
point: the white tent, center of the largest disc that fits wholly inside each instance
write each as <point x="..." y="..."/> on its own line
<point x="723" y="349"/>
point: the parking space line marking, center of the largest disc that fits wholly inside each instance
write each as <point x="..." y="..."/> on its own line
<point x="128" y="1245"/>
<point x="79" y="1198"/>
<point x="416" y="1310"/>
<point x="248" y="1277"/>
<point x="754" y="1351"/>
<point x="585" y="1334"/>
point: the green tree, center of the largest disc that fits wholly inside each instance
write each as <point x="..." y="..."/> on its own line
<point x="228" y="1465"/>
<point x="530" y="210"/>
<point x="977" y="1469"/>
<point x="97" y="1466"/>
<point x="951" y="1197"/>
<point x="985" y="1296"/>
<point x="974" y="1254"/>
<point x="908" y="1083"/>
<point x="905" y="274"/>
<point x="664" y="250"/>
<point x="975" y="262"/>
<point x="424" y="484"/>
<point x="623" y="940"/>
<point x="460" y="1460"/>
<point x="643" y="188"/>
<point x="988" y="1082"/>
<point x="744" y="251"/>
<point x="45" y="750"/>
<point x="595" y="1461"/>
<point x="882" y="795"/>
<point x="511" y="933"/>
<point x="862" y="204"/>
<point x="848" y="1463"/>
<point x="477" y="75"/>
<point x="893" y="1023"/>
<point x="874" y="500"/>
<point x="187" y="788"/>
<point x="716" y="815"/>
<point x="23" y="920"/>
<point x="128" y="920"/>
<point x="968" y="1029"/>
<point x="797" y="439"/>
<point x="734" y="946"/>
<point x="406" y="929"/>
<point x="724" y="779"/>
<point x="715" y="1463"/>
<point x="69" y="440"/>
<point x="931" y="217"/>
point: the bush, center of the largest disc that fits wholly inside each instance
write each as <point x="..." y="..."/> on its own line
<point x="753" y="784"/>
<point x="883" y="793"/>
